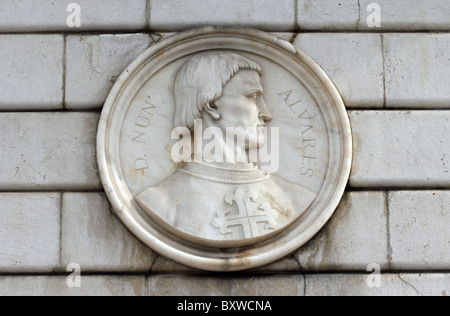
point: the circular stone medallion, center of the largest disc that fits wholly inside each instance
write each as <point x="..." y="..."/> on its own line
<point x="196" y="193"/>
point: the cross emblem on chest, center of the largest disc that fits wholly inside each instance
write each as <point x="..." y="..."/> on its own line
<point x="253" y="217"/>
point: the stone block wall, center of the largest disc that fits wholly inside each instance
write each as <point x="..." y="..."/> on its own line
<point x="395" y="82"/>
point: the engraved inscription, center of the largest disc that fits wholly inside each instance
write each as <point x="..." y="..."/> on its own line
<point x="309" y="159"/>
<point x="142" y="122"/>
<point x="250" y="214"/>
<point x="140" y="164"/>
<point x="309" y="139"/>
<point x="289" y="101"/>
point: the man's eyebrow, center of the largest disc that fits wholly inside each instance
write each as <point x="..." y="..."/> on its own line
<point x="256" y="90"/>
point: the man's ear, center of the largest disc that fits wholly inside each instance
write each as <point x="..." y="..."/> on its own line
<point x="211" y="109"/>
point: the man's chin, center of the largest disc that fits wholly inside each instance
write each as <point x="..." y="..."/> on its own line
<point x="255" y="145"/>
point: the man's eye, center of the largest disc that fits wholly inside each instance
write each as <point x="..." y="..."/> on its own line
<point x="254" y="96"/>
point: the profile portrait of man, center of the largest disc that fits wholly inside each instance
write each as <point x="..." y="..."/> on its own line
<point x="232" y="203"/>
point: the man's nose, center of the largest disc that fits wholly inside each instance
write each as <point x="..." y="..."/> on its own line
<point x="264" y="112"/>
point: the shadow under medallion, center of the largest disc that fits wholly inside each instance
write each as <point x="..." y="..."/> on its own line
<point x="224" y="205"/>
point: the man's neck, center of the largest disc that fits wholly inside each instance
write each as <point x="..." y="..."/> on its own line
<point x="220" y="151"/>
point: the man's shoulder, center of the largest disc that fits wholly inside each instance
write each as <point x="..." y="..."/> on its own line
<point x="163" y="196"/>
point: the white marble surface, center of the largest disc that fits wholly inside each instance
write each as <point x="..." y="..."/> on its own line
<point x="292" y="285"/>
<point x="48" y="151"/>
<point x="355" y="237"/>
<point x="353" y="61"/>
<point x="93" y="64"/>
<point x="417" y="70"/>
<point x="376" y="164"/>
<point x="407" y="15"/>
<point x="177" y="15"/>
<point x="400" y="149"/>
<point x="352" y="15"/>
<point x="328" y="15"/>
<point x="391" y="285"/>
<point x="96" y="240"/>
<point x="100" y="285"/>
<point x="419" y="232"/>
<point x="29" y="232"/>
<point x="47" y="15"/>
<point x="31" y="72"/>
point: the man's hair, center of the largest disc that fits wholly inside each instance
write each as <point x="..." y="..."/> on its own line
<point x="201" y="80"/>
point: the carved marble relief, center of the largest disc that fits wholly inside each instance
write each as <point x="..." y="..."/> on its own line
<point x="224" y="149"/>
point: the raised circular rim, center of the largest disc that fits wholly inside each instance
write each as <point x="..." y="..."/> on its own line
<point x="249" y="260"/>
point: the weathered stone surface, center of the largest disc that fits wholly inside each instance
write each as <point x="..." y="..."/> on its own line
<point x="390" y="285"/>
<point x="328" y="15"/>
<point x="164" y="265"/>
<point x="402" y="15"/>
<point x="95" y="62"/>
<point x="47" y="15"/>
<point x="177" y="15"/>
<point x="353" y="15"/>
<point x="428" y="284"/>
<point x="417" y="70"/>
<point x="353" y="62"/>
<point x="355" y="237"/>
<point x="289" y="37"/>
<point x="419" y="232"/>
<point x="96" y="240"/>
<point x="31" y="71"/>
<point x="407" y="15"/>
<point x="400" y="149"/>
<point x="29" y="232"/>
<point x="226" y="286"/>
<point x="57" y="286"/>
<point x="48" y="151"/>
<point x="288" y="263"/>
